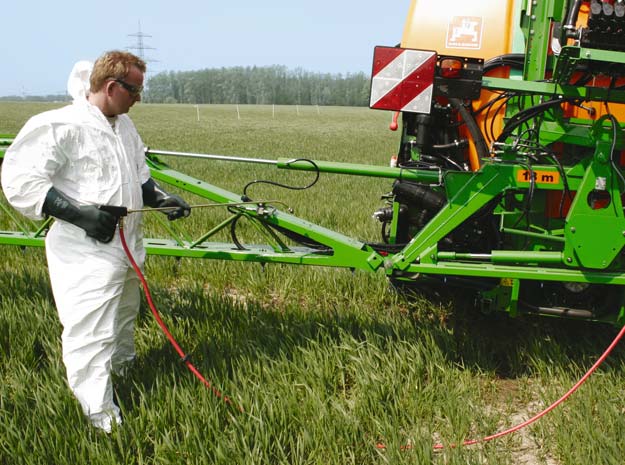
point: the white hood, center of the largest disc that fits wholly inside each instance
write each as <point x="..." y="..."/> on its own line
<point x="78" y="81"/>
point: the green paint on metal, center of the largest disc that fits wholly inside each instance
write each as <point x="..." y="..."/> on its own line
<point x="422" y="175"/>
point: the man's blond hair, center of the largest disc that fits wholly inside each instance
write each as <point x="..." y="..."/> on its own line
<point x="115" y="64"/>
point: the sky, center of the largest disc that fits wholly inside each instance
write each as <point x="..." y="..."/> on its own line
<point x="42" y="39"/>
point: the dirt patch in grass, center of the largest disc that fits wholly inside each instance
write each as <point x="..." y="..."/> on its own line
<point x="518" y="400"/>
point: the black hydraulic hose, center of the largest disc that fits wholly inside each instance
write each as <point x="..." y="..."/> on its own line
<point x="527" y="114"/>
<point x="233" y="232"/>
<point x="457" y="144"/>
<point x="514" y="60"/>
<point x="571" y="18"/>
<point x="246" y="198"/>
<point x="474" y="130"/>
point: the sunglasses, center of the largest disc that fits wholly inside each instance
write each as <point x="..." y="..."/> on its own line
<point x="134" y="91"/>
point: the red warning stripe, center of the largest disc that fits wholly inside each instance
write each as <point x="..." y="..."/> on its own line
<point x="383" y="56"/>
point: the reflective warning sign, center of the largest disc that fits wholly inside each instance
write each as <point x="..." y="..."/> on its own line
<point x="402" y="79"/>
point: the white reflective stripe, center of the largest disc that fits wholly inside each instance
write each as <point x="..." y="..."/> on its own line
<point x="380" y="87"/>
<point x="422" y="103"/>
<point x="396" y="71"/>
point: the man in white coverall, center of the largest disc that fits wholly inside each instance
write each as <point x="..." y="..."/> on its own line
<point x="66" y="163"/>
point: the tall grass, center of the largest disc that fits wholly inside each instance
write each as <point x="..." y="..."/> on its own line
<point x="327" y="364"/>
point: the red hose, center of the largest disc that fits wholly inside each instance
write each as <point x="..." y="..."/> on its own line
<point x="538" y="415"/>
<point x="439" y="446"/>
<point x="184" y="357"/>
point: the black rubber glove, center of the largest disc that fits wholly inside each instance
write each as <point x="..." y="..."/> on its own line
<point x="97" y="223"/>
<point x="155" y="197"/>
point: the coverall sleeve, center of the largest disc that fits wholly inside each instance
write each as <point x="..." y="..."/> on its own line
<point x="142" y="166"/>
<point x="133" y="140"/>
<point x="28" y="167"/>
<point x="144" y="170"/>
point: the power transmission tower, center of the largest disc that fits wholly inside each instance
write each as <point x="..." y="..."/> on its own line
<point x="140" y="47"/>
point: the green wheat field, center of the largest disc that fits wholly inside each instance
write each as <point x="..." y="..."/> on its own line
<point x="329" y="366"/>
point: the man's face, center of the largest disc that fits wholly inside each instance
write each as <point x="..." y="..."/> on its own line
<point x="127" y="91"/>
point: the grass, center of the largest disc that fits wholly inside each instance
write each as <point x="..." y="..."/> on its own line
<point x="326" y="363"/>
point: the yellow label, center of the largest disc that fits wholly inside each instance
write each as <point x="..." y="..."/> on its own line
<point x="540" y="177"/>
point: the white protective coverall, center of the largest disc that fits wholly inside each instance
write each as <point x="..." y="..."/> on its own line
<point x="76" y="150"/>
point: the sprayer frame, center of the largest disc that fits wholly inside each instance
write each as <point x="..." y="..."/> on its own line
<point x="575" y="257"/>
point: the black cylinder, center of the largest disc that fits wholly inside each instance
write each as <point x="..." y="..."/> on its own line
<point x="416" y="194"/>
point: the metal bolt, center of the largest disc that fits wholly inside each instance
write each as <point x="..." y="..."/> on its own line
<point x="569" y="259"/>
<point x="573" y="229"/>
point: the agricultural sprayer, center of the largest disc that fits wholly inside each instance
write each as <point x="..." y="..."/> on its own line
<point x="508" y="180"/>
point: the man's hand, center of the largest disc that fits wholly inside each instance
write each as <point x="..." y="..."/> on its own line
<point x="183" y="208"/>
<point x="97" y="223"/>
<point x="155" y="197"/>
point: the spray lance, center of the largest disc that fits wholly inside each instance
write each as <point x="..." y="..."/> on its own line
<point x="119" y="212"/>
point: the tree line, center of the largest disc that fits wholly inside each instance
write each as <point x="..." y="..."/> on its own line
<point x="246" y="85"/>
<point x="258" y="85"/>
<point x="36" y="98"/>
